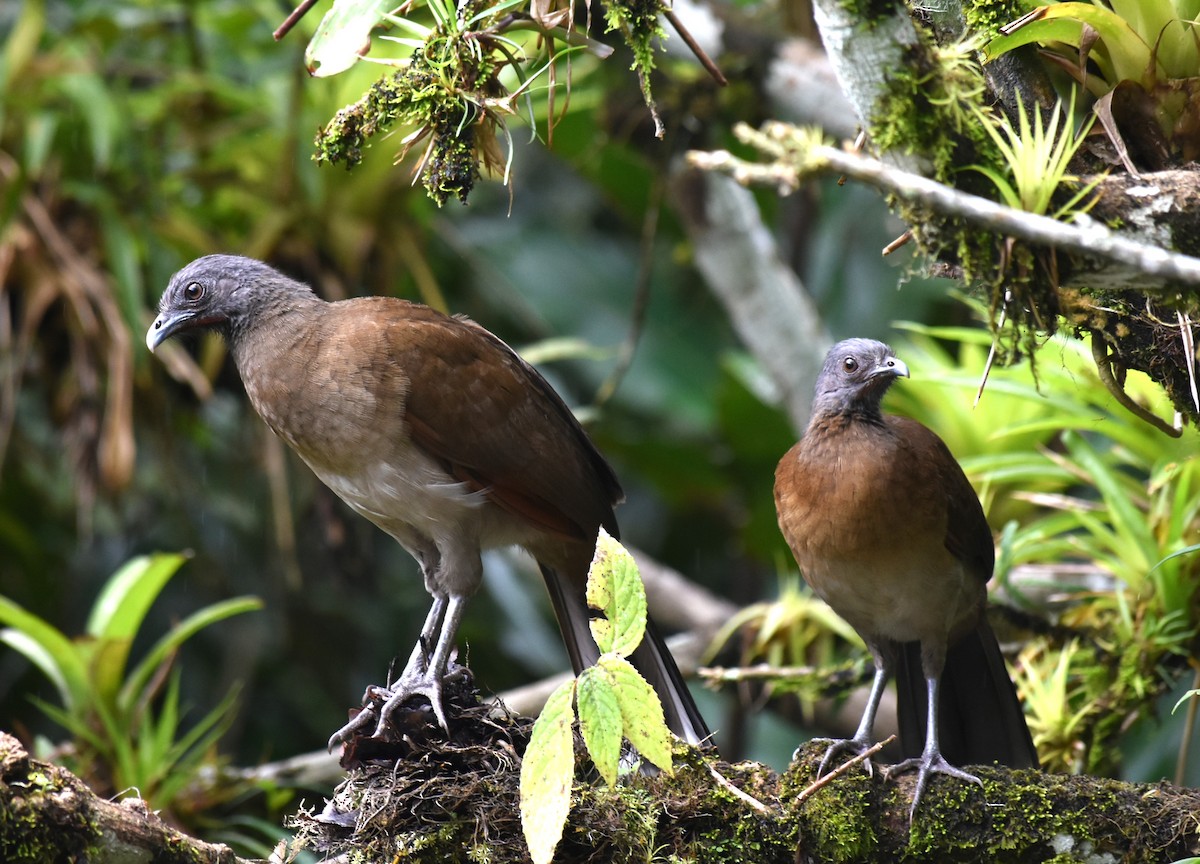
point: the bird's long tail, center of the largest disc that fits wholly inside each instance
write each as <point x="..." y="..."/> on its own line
<point x="652" y="658"/>
<point x="980" y="717"/>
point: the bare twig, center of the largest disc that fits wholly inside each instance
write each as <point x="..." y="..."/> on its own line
<point x="798" y="153"/>
<point x="291" y="20"/>
<point x="900" y="241"/>
<point x="758" y="672"/>
<point x="1104" y="368"/>
<point x="843" y="768"/>
<point x="1189" y="353"/>
<point x="701" y="54"/>
<point x="746" y="797"/>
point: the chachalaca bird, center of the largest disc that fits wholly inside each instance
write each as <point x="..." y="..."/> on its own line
<point x="888" y="531"/>
<point x="436" y="431"/>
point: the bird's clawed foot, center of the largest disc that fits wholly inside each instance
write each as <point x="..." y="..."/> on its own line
<point x="927" y="765"/>
<point x="381" y="704"/>
<point x="851" y="748"/>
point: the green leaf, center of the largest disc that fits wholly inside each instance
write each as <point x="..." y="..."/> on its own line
<point x="93" y="100"/>
<point x="47" y="648"/>
<point x="546" y="774"/>
<point x="1128" y="52"/>
<point x="180" y="633"/>
<point x="1177" y="553"/>
<point x="641" y="711"/>
<point x="343" y="35"/>
<point x="615" y="589"/>
<point x="126" y="597"/>
<point x="1191" y="694"/>
<point x="118" y="613"/>
<point x="600" y="720"/>
<point x="1131" y="533"/>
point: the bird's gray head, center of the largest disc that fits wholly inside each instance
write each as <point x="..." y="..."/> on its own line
<point x="856" y="374"/>
<point x="218" y="292"/>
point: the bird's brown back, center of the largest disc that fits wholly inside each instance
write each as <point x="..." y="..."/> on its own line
<point x="344" y="382"/>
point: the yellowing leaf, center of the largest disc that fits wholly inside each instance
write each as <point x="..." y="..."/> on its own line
<point x="600" y="720"/>
<point x="615" y="589"/>
<point x="546" y="774"/>
<point x="641" y="711"/>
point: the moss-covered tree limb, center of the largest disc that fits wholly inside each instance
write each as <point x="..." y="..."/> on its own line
<point x="48" y="814"/>
<point x="458" y="802"/>
<point x="1123" y="274"/>
<point x="794" y="154"/>
<point x="1128" y="289"/>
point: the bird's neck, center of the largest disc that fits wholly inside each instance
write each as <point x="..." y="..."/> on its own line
<point x="278" y="322"/>
<point x="824" y="422"/>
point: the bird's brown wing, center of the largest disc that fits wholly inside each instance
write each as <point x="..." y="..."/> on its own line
<point x="473" y="403"/>
<point x="968" y="535"/>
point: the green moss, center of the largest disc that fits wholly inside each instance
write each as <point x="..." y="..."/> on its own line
<point x="639" y="22"/>
<point x="839" y="818"/>
<point x="926" y="109"/>
<point x="26" y="834"/>
<point x="986" y="17"/>
<point x="438" y="93"/>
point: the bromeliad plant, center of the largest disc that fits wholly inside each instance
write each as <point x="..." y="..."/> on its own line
<point x="125" y="724"/>
<point x="1037" y="157"/>
<point x="1138" y="59"/>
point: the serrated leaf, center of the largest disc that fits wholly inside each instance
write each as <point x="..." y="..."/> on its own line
<point x="615" y="589"/>
<point x="600" y="720"/>
<point x="546" y="774"/>
<point x="641" y="711"/>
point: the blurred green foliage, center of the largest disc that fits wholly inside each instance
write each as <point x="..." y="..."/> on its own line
<point x="137" y="135"/>
<point x="125" y="726"/>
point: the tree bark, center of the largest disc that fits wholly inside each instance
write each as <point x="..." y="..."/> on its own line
<point x="451" y="802"/>
<point x="48" y="814"/>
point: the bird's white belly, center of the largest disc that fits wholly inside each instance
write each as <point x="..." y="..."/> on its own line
<point x="442" y="522"/>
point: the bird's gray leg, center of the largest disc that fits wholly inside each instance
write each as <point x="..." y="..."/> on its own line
<point x="862" y="736"/>
<point x="413" y="675"/>
<point x="417" y="661"/>
<point x="931" y="760"/>
<point x="428" y="682"/>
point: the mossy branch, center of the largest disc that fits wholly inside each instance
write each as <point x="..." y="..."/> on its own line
<point x="456" y="802"/>
<point x="796" y="154"/>
<point x="460" y="804"/>
<point x="49" y="814"/>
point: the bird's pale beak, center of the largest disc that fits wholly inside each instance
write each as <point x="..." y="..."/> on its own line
<point x="166" y="325"/>
<point x="892" y="367"/>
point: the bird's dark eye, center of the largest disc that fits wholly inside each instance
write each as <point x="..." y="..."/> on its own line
<point x="193" y="291"/>
<point x="849" y="364"/>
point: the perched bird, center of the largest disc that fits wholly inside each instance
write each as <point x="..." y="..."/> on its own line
<point x="888" y="531"/>
<point x="436" y="431"/>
